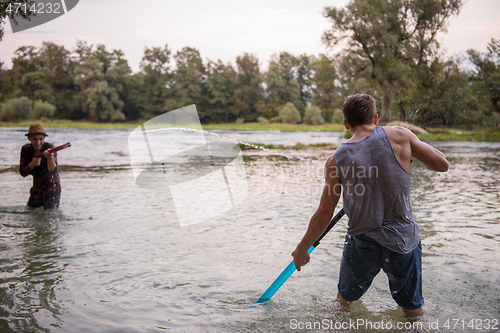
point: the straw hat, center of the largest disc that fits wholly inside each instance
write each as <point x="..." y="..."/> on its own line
<point x="36" y="129"/>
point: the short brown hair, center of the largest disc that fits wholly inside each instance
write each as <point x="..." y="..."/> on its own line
<point x="359" y="109"/>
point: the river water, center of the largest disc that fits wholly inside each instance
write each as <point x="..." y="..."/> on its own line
<point x="114" y="258"/>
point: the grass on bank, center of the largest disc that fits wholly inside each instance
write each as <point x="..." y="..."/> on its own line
<point x="276" y="127"/>
<point x="231" y="126"/>
<point x="435" y="134"/>
<point x="62" y="123"/>
<point x="298" y="146"/>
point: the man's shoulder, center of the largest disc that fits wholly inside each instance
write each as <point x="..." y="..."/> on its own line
<point x="395" y="129"/>
<point x="26" y="147"/>
<point x="330" y="161"/>
<point x="397" y="133"/>
<point x="340" y="149"/>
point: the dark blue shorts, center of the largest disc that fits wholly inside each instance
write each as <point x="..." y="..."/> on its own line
<point x="50" y="201"/>
<point x="363" y="258"/>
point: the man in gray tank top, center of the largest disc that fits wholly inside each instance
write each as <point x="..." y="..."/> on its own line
<point x="372" y="172"/>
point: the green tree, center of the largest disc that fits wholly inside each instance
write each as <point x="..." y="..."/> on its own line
<point x="354" y="78"/>
<point x="100" y="78"/>
<point x="45" y="74"/>
<point x="390" y="38"/>
<point x="2" y="79"/>
<point x="187" y="82"/>
<point x="248" y="96"/>
<point x="281" y="83"/>
<point x="442" y="96"/>
<point x="98" y="100"/>
<point x="82" y="51"/>
<point x="153" y="80"/>
<point x="305" y="72"/>
<point x="221" y="83"/>
<point x="29" y="76"/>
<point x="488" y="72"/>
<point x="58" y="62"/>
<point x="327" y="94"/>
<point x="133" y="97"/>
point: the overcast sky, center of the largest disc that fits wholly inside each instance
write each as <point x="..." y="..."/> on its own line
<point x="224" y="29"/>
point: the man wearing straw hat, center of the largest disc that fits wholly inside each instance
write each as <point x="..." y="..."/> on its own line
<point x="42" y="165"/>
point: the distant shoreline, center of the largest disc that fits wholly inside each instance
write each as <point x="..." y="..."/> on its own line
<point x="435" y="134"/>
<point x="229" y="126"/>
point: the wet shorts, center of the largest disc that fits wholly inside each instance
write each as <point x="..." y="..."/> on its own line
<point x="363" y="258"/>
<point x="49" y="202"/>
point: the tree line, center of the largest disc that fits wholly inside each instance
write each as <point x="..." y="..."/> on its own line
<point x="389" y="51"/>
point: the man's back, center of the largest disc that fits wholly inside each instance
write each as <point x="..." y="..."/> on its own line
<point x="407" y="145"/>
<point x="377" y="191"/>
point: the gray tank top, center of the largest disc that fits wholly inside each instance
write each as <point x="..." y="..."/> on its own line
<point x="376" y="192"/>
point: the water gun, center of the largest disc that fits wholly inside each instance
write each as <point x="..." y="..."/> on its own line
<point x="53" y="150"/>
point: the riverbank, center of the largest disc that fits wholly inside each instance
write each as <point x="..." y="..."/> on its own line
<point x="68" y="124"/>
<point x="435" y="134"/>
<point x="230" y="126"/>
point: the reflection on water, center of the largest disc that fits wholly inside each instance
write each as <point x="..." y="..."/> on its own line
<point x="30" y="271"/>
<point x="114" y="258"/>
<point x="459" y="221"/>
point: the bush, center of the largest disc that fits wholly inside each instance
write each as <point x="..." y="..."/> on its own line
<point x="313" y="116"/>
<point x="338" y="116"/>
<point x="276" y="119"/>
<point x="263" y="120"/>
<point x="43" y="110"/>
<point x="17" y="109"/>
<point x="240" y="121"/>
<point x="289" y="114"/>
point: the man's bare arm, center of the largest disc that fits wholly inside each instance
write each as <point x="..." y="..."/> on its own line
<point x="432" y="158"/>
<point x="320" y="219"/>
